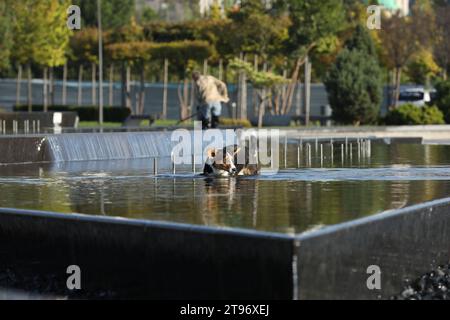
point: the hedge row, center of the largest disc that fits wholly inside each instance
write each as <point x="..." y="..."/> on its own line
<point x="409" y="114"/>
<point x="86" y="113"/>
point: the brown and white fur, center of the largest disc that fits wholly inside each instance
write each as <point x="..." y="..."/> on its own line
<point x="226" y="162"/>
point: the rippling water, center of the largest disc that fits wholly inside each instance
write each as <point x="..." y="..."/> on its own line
<point x="293" y="200"/>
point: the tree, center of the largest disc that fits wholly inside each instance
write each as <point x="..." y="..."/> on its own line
<point x="311" y="24"/>
<point x="84" y="51"/>
<point x="442" y="46"/>
<point x="402" y="37"/>
<point x="183" y="56"/>
<point x="354" y="83"/>
<point x="132" y="54"/>
<point x="5" y="33"/>
<point x="443" y="98"/>
<point x="53" y="42"/>
<point x="422" y="67"/>
<point x="115" y="13"/>
<point x="264" y="82"/>
<point x="148" y="15"/>
<point x="40" y="35"/>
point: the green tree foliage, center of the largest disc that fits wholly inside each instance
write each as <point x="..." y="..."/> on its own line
<point x="5" y="33"/>
<point x="313" y="21"/>
<point x="259" y="79"/>
<point x="128" y="33"/>
<point x="148" y="15"/>
<point x="53" y="42"/>
<point x="354" y="83"/>
<point x="40" y="32"/>
<point x="115" y="13"/>
<point x="443" y="98"/>
<point x="266" y="83"/>
<point x="422" y="67"/>
<point x="442" y="44"/>
<point x="84" y="46"/>
<point x="403" y="37"/>
<point x="130" y="51"/>
<point x="252" y="30"/>
<point x="409" y="114"/>
<point x="361" y="41"/>
<point x="182" y="54"/>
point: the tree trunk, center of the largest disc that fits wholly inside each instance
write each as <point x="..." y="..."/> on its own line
<point x="166" y="82"/>
<point x="220" y="69"/>
<point x="30" y="89"/>
<point x="255" y="94"/>
<point x="80" y="85"/>
<point x="298" y="109"/>
<point x="186" y="97"/>
<point x="142" y="93"/>
<point x="183" y="97"/>
<point x="128" y="87"/>
<point x="261" y="111"/>
<point x="18" y="85"/>
<point x="51" y="87"/>
<point x="123" y="85"/>
<point x="44" y="89"/>
<point x="64" y="86"/>
<point x="244" y="96"/>
<point x="292" y="83"/>
<point x="94" y="84"/>
<point x="284" y="97"/>
<point x="398" y="76"/>
<point x="263" y="91"/>
<point x="307" y="94"/>
<point x="205" y="67"/>
<point x="111" y="84"/>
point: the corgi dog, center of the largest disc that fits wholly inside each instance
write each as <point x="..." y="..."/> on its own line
<point x="229" y="161"/>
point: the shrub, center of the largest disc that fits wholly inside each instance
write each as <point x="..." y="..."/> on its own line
<point x="410" y="114"/>
<point x="443" y="98"/>
<point x="354" y="83"/>
<point x="86" y="113"/>
<point x="235" y="122"/>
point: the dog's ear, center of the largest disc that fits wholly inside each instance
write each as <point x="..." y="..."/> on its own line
<point x="212" y="153"/>
<point x="236" y="151"/>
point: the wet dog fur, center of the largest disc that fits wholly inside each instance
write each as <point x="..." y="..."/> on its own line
<point x="230" y="161"/>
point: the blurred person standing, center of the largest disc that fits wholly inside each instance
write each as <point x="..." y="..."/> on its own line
<point x="210" y="93"/>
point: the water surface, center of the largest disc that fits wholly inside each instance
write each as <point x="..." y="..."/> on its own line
<point x="291" y="201"/>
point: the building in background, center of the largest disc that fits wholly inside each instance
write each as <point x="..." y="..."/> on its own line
<point x="394" y="5"/>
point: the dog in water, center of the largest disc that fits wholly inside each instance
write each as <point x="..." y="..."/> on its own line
<point x="230" y="161"/>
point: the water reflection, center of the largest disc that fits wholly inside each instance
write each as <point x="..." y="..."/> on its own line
<point x="292" y="201"/>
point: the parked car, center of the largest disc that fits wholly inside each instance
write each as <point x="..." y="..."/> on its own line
<point x="416" y="96"/>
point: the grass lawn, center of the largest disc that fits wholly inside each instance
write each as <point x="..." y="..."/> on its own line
<point x="93" y="124"/>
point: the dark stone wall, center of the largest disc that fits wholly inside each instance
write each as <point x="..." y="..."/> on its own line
<point x="405" y="243"/>
<point x="138" y="259"/>
<point x="24" y="149"/>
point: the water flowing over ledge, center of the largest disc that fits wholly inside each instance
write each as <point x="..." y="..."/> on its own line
<point x="89" y="146"/>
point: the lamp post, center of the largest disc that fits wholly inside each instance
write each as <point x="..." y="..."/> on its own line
<point x="100" y="62"/>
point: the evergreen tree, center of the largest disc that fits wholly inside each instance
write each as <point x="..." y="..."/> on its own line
<point x="362" y="41"/>
<point x="354" y="83"/>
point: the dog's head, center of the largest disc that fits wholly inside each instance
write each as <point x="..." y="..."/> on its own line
<point x="221" y="162"/>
